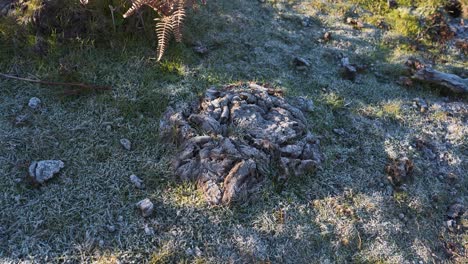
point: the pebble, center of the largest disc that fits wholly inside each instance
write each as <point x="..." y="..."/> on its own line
<point x="126" y="144"/>
<point x="149" y="231"/>
<point x="401" y="216"/>
<point x="301" y="63"/>
<point x="389" y="190"/>
<point x="189" y="252"/>
<point x="111" y="228"/>
<point x="137" y="181"/>
<point x="451" y="224"/>
<point x="455" y="210"/>
<point x="101" y="243"/>
<point x="22" y="119"/>
<point x="146" y="207"/>
<point x="198" y="252"/>
<point x="308" y="105"/>
<point x="44" y="170"/>
<point x="34" y="103"/>
<point x="339" y="131"/>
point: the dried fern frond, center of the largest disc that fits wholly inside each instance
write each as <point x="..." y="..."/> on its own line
<point x="164" y="29"/>
<point x="170" y="23"/>
<point x="137" y="4"/>
<point x="177" y="20"/>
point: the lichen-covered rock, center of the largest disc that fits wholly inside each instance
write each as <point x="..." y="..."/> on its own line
<point x="232" y="136"/>
<point x="34" y="103"/>
<point x="44" y="170"/>
<point x="146" y="207"/>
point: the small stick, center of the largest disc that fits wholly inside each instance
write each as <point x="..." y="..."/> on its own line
<point x="81" y="85"/>
<point x="112" y="9"/>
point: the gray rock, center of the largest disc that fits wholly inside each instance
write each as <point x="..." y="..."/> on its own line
<point x="301" y="63"/>
<point x="305" y="104"/>
<point x="389" y="190"/>
<point x="111" y="228"/>
<point x="146" y="207"/>
<point x="137" y="181"/>
<point x="22" y="120"/>
<point x="44" y="170"/>
<point x="455" y="210"/>
<point x="34" y="103"/>
<point x="149" y="231"/>
<point x="126" y="144"/>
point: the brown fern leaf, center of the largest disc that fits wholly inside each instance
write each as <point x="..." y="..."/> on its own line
<point x="164" y="30"/>
<point x="138" y="4"/>
<point x="177" y="19"/>
<point x="172" y="14"/>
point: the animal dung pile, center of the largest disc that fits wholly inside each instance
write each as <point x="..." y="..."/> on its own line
<point x="232" y="138"/>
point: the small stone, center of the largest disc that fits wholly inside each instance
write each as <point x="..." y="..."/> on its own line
<point x="304" y="104"/>
<point x="146" y="207"/>
<point x="126" y="144"/>
<point x="392" y="4"/>
<point x="401" y="216"/>
<point x="22" y="120"/>
<point x="137" y="181"/>
<point x="452" y="176"/>
<point x="421" y="104"/>
<point x="200" y="48"/>
<point x="339" y="131"/>
<point x="111" y="228"/>
<point x="34" y="103"/>
<point x="300" y="63"/>
<point x="189" y="252"/>
<point x="149" y="231"/>
<point x="101" y="243"/>
<point x="198" y="252"/>
<point x="451" y="225"/>
<point x="44" y="170"/>
<point x="306" y="22"/>
<point x="455" y="211"/>
<point x="381" y="185"/>
<point x="389" y="190"/>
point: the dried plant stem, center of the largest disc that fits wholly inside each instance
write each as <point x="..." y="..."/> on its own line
<point x="80" y="85"/>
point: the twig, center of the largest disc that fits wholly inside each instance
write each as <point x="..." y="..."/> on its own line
<point x="81" y="85"/>
<point x="112" y="9"/>
<point x="359" y="241"/>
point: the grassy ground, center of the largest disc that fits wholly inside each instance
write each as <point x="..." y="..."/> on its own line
<point x="346" y="212"/>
